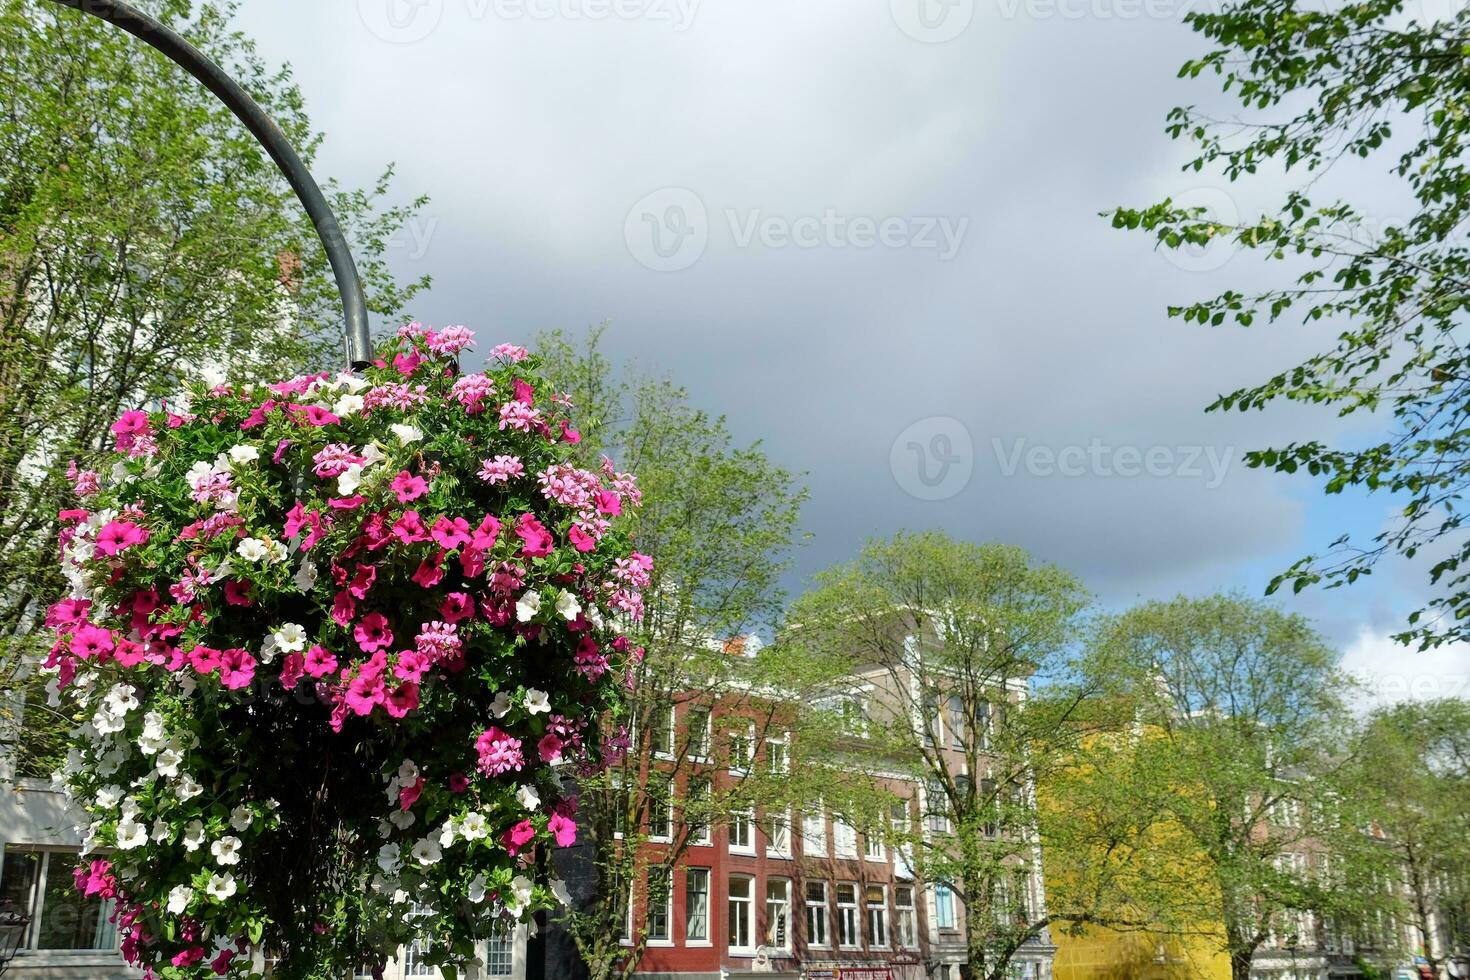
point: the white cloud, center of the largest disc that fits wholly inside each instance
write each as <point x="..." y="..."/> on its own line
<point x="1391" y="672"/>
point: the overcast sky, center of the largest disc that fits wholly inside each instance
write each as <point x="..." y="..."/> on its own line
<point x="866" y="231"/>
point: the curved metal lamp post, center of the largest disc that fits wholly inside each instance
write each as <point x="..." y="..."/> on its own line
<point x="263" y="128"/>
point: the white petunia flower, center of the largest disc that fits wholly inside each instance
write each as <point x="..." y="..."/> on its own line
<point x="161" y="830"/>
<point x="178" y="899"/>
<point x="408" y="772"/>
<point x="406" y="433"/>
<point x="426" y="852"/>
<point x="109" y="797"/>
<point x="537" y="702"/>
<point x="520" y="889"/>
<point x="193" y="837"/>
<point x="476" y="891"/>
<point x="501" y="705"/>
<point x="449" y="832"/>
<point x="305" y="577"/>
<point x="226" y="850"/>
<point x="402" y="819"/>
<point x="188" y="789"/>
<point x="240" y="817"/>
<point x="389" y="860"/>
<point x="528" y="606"/>
<point x="252" y="549"/>
<point x="221" y="888"/>
<point x="347" y="405"/>
<point x="291" y="638"/>
<point x="568" y="606"/>
<point x="528" y="797"/>
<point x="559" y="889"/>
<point x="131" y="834"/>
<point x="349" y="480"/>
<point x="277" y="552"/>
<point x="244" y="454"/>
<point x="169" y="760"/>
<point x="474" y="826"/>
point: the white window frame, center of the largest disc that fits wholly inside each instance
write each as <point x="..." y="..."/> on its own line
<point x="814" y="831"/>
<point x="844" y="838"/>
<point x="705" y="737"/>
<point x="778" y="904"/>
<point x="699" y="832"/>
<point x="777" y="831"/>
<point x="873" y="847"/>
<point x="663" y="731"/>
<point x="849" y="914"/>
<point x="875" y="916"/>
<point x="741" y="762"/>
<point x="744" y="822"/>
<point x="778" y="754"/>
<point x="690" y="875"/>
<point x="818" y="913"/>
<point x="905" y="917"/>
<point x="667" y="893"/>
<point x="745" y="908"/>
<point x="47" y="866"/>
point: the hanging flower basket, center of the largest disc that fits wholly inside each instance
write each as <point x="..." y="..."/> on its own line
<point x="332" y="645"/>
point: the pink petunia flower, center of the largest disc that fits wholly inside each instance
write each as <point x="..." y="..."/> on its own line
<point x="518" y="837"/>
<point x="236" y="669"/>
<point x="118" y="536"/>
<point x="499" y="752"/>
<point x="409" y="487"/>
<point x="372" y="632"/>
<point x="319" y="662"/>
<point x="536" y="540"/>
<point x="563" y="829"/>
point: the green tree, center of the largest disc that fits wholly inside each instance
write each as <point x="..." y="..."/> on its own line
<point x="932" y="648"/>
<point x="1415" y="784"/>
<point x="720" y="521"/>
<point x="1329" y="86"/>
<point x="1236" y="771"/>
<point x="143" y="233"/>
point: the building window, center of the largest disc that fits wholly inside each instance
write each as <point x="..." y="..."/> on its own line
<point x="500" y="951"/>
<point x="875" y="898"/>
<point x="777" y="760"/>
<point x="905" y="926"/>
<point x="873" y="848"/>
<point x="660" y="811"/>
<point x="740" y="908"/>
<point x="696" y="811"/>
<point x="698" y="725"/>
<point x="696" y="904"/>
<point x="944" y="907"/>
<point x="660" y="903"/>
<point x="983" y="722"/>
<point x="814" y="831"/>
<point x="661" y="730"/>
<point x="740" y="836"/>
<point x="778" y="834"/>
<point x="847" y="916"/>
<point x="956" y="722"/>
<point x="936" y="808"/>
<point x="778" y="913"/>
<point x="816" y="913"/>
<point x="844" y="837"/>
<point x="742" y="749"/>
<point x="933" y="720"/>
<point x="619" y="800"/>
<point x="40" y="884"/>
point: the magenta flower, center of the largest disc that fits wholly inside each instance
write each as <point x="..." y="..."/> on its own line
<point x="365" y="693"/>
<point x="409" y="795"/>
<point x="363" y="580"/>
<point x="536" y="540"/>
<point x="236" y="669"/>
<point x="319" y="662"/>
<point x="518" y="837"/>
<point x="293" y="668"/>
<point x="372" y="632"/>
<point x="451" y="534"/>
<point x="581" y="540"/>
<point x="401" y="700"/>
<point x="549" y="748"/>
<point x="501" y="469"/>
<point x="91" y="643"/>
<point x="411" y="666"/>
<point x="456" y="606"/>
<point x="410" y="528"/>
<point x="118" y="536"/>
<point x="563" y="829"/>
<point x="409" y="487"/>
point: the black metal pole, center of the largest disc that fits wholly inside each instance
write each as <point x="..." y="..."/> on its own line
<point x="354" y="309"/>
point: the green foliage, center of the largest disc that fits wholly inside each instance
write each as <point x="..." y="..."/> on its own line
<point x="1231" y="766"/>
<point x="1318" y="85"/>
<point x="719" y="520"/>
<point x="143" y="233"/>
<point x="924" y="627"/>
